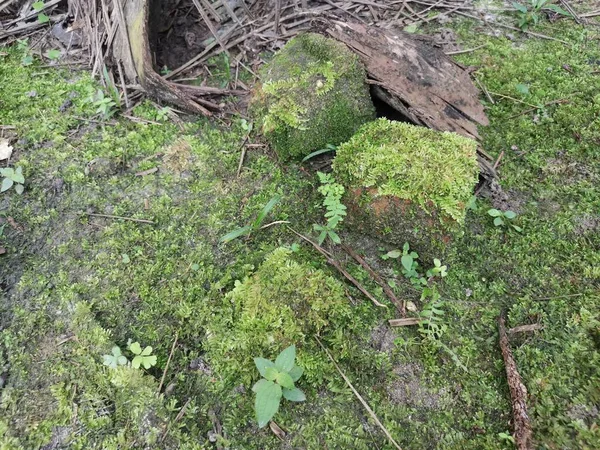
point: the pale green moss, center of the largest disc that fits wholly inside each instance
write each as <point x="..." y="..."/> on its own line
<point x="284" y="302"/>
<point x="426" y="167"/>
<point x="313" y="94"/>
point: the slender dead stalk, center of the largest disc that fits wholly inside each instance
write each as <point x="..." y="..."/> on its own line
<point x="110" y="216"/>
<point x="338" y="266"/>
<point x="359" y="397"/>
<point x="388" y="291"/>
<point x="162" y="379"/>
<point x="518" y="392"/>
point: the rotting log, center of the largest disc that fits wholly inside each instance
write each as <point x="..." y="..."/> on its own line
<point x="416" y="79"/>
<point x="518" y="392"/>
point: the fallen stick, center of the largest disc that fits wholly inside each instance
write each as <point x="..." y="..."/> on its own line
<point x="110" y="216"/>
<point x="525" y="328"/>
<point x="358" y="396"/>
<point x="518" y="392"/>
<point x="405" y="322"/>
<point x="339" y="267"/>
<point x="162" y="380"/>
<point x="388" y="291"/>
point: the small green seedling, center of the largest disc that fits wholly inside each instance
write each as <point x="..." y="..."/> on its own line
<point x="437" y="269"/>
<point x="115" y="359"/>
<point x="278" y="380"/>
<point x="328" y="148"/>
<point x="336" y="211"/>
<point x="105" y="105"/>
<point x="162" y="114"/>
<point x="53" y="54"/>
<point x="503" y="218"/>
<point x="142" y="357"/>
<point x="255" y="225"/>
<point x="530" y="14"/>
<point x="42" y="18"/>
<point x="12" y="178"/>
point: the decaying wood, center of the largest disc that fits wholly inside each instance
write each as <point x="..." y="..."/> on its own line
<point x="518" y="392"/>
<point x="525" y="328"/>
<point x="418" y="80"/>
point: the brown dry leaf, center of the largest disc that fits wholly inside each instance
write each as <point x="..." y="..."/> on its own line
<point x="276" y="430"/>
<point x="5" y="149"/>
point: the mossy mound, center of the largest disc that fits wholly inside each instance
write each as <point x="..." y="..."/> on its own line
<point x="283" y="303"/>
<point x="313" y="94"/>
<point x="408" y="183"/>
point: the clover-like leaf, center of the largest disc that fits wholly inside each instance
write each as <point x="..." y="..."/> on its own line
<point x="498" y="221"/>
<point x="43" y="18"/>
<point x="510" y="214"/>
<point x="285" y="360"/>
<point x="294" y="395"/>
<point x="37" y="6"/>
<point x="266" y="403"/>
<point x="262" y="364"/>
<point x="135" y="348"/>
<point x="494" y="212"/>
<point x="19" y="188"/>
<point x="147" y="351"/>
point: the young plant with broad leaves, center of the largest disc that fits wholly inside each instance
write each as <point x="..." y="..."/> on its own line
<point x="336" y="211"/>
<point x="504" y="218"/>
<point x="12" y="177"/>
<point x="278" y="381"/>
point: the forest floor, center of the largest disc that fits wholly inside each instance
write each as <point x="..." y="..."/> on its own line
<point x="75" y="284"/>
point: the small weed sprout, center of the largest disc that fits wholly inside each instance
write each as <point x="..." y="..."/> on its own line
<point x="530" y="14"/>
<point x="504" y="218"/>
<point x="278" y="380"/>
<point x="39" y="6"/>
<point x="105" y="105"/>
<point x="336" y="211"/>
<point x="140" y="357"/>
<point x="162" y="114"/>
<point x="255" y="225"/>
<point x="23" y="46"/>
<point x="12" y="177"/>
<point x="411" y="268"/>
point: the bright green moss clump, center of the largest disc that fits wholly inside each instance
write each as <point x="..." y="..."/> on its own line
<point x="410" y="183"/>
<point x="284" y="302"/>
<point x="313" y="94"/>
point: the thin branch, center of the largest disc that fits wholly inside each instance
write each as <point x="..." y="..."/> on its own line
<point x="388" y="291"/>
<point x="162" y="380"/>
<point x="110" y="216"/>
<point x="359" y="397"/>
<point x="339" y="267"/>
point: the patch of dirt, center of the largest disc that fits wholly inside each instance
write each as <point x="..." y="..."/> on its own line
<point x="382" y="338"/>
<point x="586" y="224"/>
<point x="409" y="388"/>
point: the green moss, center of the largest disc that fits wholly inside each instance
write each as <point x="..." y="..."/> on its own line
<point x="313" y="93"/>
<point x="283" y="303"/>
<point x="432" y="169"/>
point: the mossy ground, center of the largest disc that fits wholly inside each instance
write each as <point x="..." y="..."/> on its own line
<point x="69" y="292"/>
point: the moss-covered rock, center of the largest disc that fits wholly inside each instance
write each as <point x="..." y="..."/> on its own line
<point x="284" y="302"/>
<point x="407" y="183"/>
<point x="313" y="94"/>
